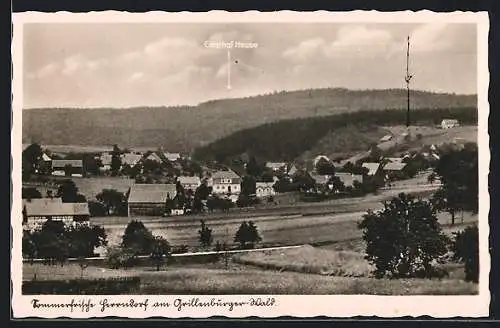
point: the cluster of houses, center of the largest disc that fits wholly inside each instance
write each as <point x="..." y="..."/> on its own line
<point x="150" y="199"/>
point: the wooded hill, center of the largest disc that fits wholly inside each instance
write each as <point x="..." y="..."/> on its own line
<point x="185" y="128"/>
<point x="289" y="139"/>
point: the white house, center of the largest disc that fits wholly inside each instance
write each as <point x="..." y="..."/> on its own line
<point x="264" y="189"/>
<point x="226" y="183"/>
<point x="449" y="123"/>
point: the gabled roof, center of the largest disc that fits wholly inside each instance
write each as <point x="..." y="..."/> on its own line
<point x="61" y="163"/>
<point x="189" y="180"/>
<point x="46" y="157"/>
<point x="172" y="156"/>
<point x="151" y="193"/>
<point x="394" y="166"/>
<point x="372" y="167"/>
<point x="229" y="174"/>
<point x="264" y="184"/>
<point x="153" y="157"/>
<point x="56" y="209"/>
<point x="449" y="120"/>
<point x="42" y="200"/>
<point x="131" y="158"/>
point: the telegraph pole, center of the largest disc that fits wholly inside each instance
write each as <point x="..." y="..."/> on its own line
<point x="408" y="79"/>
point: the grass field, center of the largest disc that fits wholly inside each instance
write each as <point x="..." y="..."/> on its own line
<point x="203" y="281"/>
<point x="308" y="259"/>
<point x="238" y="279"/>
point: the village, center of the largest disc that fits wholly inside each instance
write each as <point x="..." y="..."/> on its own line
<point x="159" y="183"/>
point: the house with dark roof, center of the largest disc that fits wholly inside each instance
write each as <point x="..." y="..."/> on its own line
<point x="37" y="211"/>
<point x="150" y="199"/>
<point x="68" y="167"/>
<point x="226" y="183"/>
<point x="394" y="170"/>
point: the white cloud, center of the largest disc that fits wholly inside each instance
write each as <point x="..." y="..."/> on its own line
<point x="431" y="37"/>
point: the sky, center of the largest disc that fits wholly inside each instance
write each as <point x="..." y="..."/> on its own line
<point x="168" y="64"/>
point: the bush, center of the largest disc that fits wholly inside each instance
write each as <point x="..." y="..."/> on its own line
<point x="110" y="286"/>
<point x="137" y="238"/>
<point x="247" y="235"/>
<point x="466" y="250"/>
<point x="403" y="239"/>
<point x="118" y="257"/>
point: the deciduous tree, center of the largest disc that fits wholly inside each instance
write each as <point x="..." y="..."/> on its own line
<point x="404" y="238"/>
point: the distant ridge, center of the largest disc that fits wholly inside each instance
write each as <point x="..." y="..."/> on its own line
<point x="183" y="128"/>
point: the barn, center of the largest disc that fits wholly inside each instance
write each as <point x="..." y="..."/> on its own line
<point x="37" y="211"/>
<point x="149" y="199"/>
<point x="68" y="167"/>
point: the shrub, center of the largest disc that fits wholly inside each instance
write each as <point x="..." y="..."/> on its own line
<point x="118" y="257"/>
<point x="138" y="238"/>
<point x="247" y="235"/>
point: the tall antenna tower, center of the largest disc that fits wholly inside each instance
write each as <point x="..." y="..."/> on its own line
<point x="408" y="79"/>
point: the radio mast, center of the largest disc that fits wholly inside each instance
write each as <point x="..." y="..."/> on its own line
<point x="408" y="79"/>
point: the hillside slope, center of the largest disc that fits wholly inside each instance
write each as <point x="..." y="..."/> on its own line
<point x="289" y="139"/>
<point x="184" y="128"/>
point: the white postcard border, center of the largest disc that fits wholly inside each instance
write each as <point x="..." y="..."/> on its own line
<point x="286" y="305"/>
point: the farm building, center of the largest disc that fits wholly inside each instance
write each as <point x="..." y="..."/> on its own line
<point x="449" y="123"/>
<point x="264" y="189"/>
<point x="226" y="183"/>
<point x="189" y="183"/>
<point x="68" y="167"/>
<point x="373" y="168"/>
<point x="149" y="199"/>
<point x="37" y="211"/>
<point x="349" y="178"/>
<point x="394" y="170"/>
